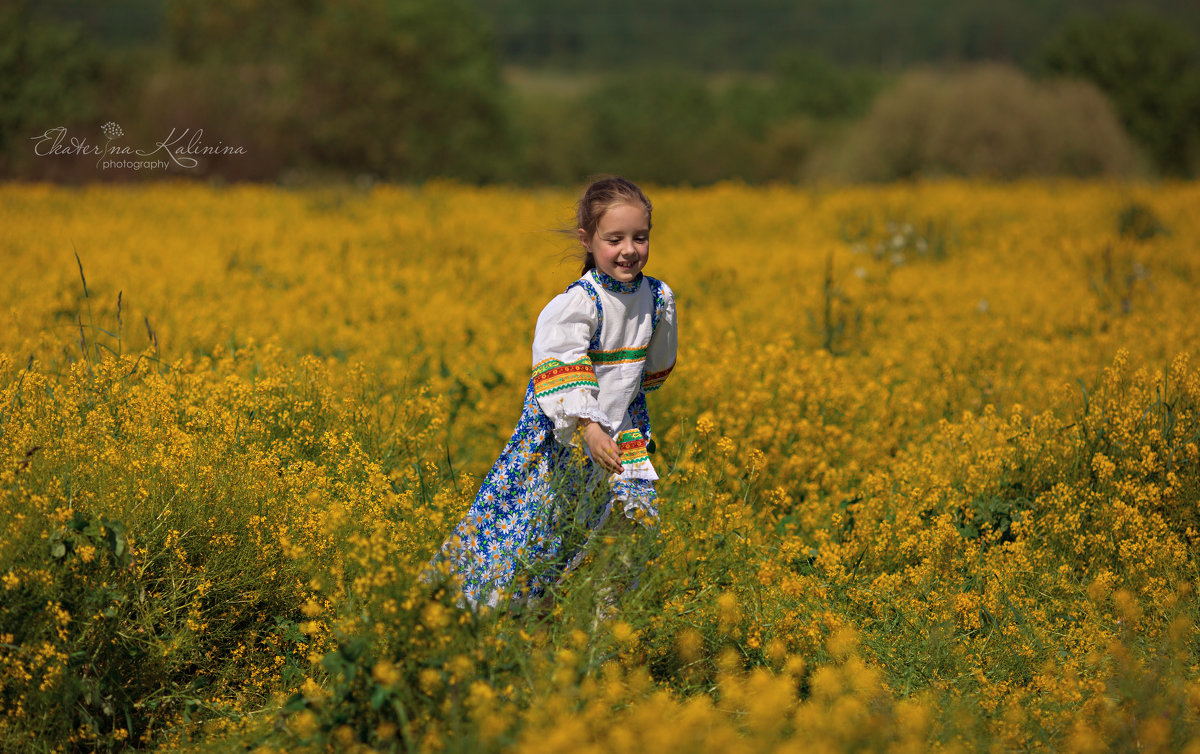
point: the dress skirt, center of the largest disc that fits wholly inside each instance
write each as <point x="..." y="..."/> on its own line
<point x="536" y="510"/>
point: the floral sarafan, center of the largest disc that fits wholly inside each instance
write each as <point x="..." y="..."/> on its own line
<point x="583" y="369"/>
<point x="927" y="447"/>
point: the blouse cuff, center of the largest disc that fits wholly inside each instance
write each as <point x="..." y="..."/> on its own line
<point x="635" y="458"/>
<point x="637" y="499"/>
<point x="567" y="410"/>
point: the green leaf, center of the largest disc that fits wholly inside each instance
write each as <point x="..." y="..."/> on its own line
<point x="296" y="703"/>
<point x="380" y="697"/>
<point x="78" y="522"/>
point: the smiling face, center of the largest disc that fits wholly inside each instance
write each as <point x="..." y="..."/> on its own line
<point x="621" y="243"/>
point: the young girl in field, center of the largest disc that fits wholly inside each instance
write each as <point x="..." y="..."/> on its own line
<point x="598" y="348"/>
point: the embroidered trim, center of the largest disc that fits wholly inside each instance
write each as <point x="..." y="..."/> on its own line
<point x="654" y="380"/>
<point x="552" y="376"/>
<point x="618" y="356"/>
<point x="660" y="302"/>
<point x="632" y="446"/>
<point x="610" y="283"/>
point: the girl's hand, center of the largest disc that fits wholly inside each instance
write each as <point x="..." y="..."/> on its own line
<point x="603" y="448"/>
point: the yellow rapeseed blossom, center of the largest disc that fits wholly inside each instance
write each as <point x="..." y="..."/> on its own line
<point x="689" y="644"/>
<point x="304" y="724"/>
<point x="312" y="690"/>
<point x="623" y="632"/>
<point x="929" y="453"/>
<point x="429" y="680"/>
<point x="435" y="617"/>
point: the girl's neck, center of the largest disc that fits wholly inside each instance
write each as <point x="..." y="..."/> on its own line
<point x="609" y="283"/>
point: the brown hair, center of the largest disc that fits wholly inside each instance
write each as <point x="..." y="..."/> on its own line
<point x="602" y="195"/>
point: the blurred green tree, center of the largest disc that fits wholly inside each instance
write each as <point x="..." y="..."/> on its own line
<point x="668" y="125"/>
<point x="811" y="84"/>
<point x="1149" y="67"/>
<point x="654" y="125"/>
<point x="49" y="76"/>
<point x="402" y="89"/>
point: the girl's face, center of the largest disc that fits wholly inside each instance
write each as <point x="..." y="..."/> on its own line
<point x="621" y="243"/>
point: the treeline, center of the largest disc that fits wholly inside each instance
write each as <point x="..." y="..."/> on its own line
<point x="412" y="89"/>
<point x="720" y="35"/>
<point x="723" y="35"/>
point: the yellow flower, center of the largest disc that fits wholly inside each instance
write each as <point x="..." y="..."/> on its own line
<point x="842" y="643"/>
<point x="689" y="644"/>
<point x="926" y="434"/>
<point x="435" y="617"/>
<point x="460" y="667"/>
<point x="1127" y="606"/>
<point x="343" y="735"/>
<point x="386" y="731"/>
<point x="727" y="610"/>
<point x="312" y="690"/>
<point x="1103" y="467"/>
<point x="481" y="694"/>
<point x="304" y="723"/>
<point x="386" y="673"/>
<point x="826" y="682"/>
<point x="429" y="680"/>
<point x="579" y="639"/>
<point x="776" y="651"/>
<point x="795" y="666"/>
<point x="623" y="632"/>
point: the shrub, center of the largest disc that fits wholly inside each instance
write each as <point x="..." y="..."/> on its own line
<point x="1151" y="71"/>
<point x="990" y="122"/>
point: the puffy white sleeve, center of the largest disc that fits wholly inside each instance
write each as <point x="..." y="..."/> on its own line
<point x="564" y="382"/>
<point x="660" y="357"/>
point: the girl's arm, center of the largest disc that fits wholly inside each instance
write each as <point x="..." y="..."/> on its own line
<point x="660" y="356"/>
<point x="564" y="382"/>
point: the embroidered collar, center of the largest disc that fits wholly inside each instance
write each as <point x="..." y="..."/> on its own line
<point x="610" y="283"/>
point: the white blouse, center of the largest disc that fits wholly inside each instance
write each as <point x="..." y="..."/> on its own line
<point x="571" y="381"/>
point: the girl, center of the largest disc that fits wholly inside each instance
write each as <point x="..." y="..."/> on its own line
<point x="599" y="347"/>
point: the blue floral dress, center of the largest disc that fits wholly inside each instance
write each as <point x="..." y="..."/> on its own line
<point x="599" y="347"/>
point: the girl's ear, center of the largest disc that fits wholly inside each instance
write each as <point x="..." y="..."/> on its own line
<point x="582" y="235"/>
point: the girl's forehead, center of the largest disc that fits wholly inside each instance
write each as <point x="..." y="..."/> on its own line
<point x="625" y="214"/>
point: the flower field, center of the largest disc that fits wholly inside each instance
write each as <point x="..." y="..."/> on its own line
<point x="930" y="460"/>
